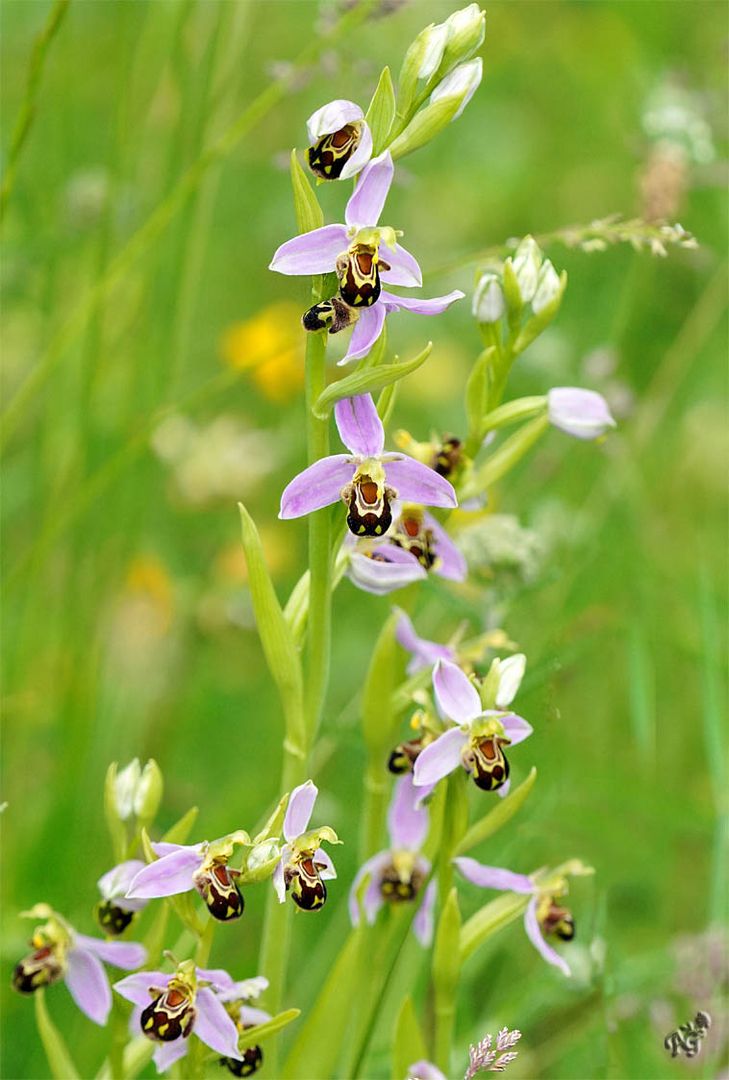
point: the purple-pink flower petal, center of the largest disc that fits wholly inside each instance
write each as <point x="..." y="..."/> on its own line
<point x="332" y="117"/>
<point x="327" y="872"/>
<point x="492" y="877"/>
<point x="423" y="923"/>
<point x="516" y="728"/>
<point x="534" y="933"/>
<point x="583" y="414"/>
<point x="252" y="1016"/>
<point x="87" y="982"/>
<point x="169" y="875"/>
<point x="434" y="305"/>
<point x="372" y="900"/>
<point x="122" y="954"/>
<point x="406" y="822"/>
<point x="366" y="331"/>
<point x="299" y="810"/>
<point x="214" y="1026"/>
<point x="219" y="978"/>
<point x="417" y="483"/>
<point x="166" y="1054"/>
<point x="425" y="1070"/>
<point x="359" y="425"/>
<point x="313" y="252"/>
<point x="439" y="758"/>
<point x="366" y="203"/>
<point x="456" y="696"/>
<point x="424" y="653"/>
<point x="393" y="569"/>
<point x="404" y="269"/>
<point x="319" y="485"/>
<point x="135" y="988"/>
<point x="451" y="563"/>
<point x="278" y="880"/>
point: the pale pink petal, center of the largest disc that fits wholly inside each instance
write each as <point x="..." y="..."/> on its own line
<point x="359" y="425"/>
<point x="87" y="982"/>
<point x="511" y="672"/>
<point x="424" y="653"/>
<point x="319" y="485"/>
<point x="252" y="1016"/>
<point x="166" y="1054"/>
<point x="219" y="978"/>
<point x="299" y="810"/>
<point x="439" y="758"/>
<point x="115" y="882"/>
<point x="136" y="988"/>
<point x="583" y="414"/>
<point x="425" y="1070"/>
<point x="435" y="305"/>
<point x="423" y="924"/>
<point x="392" y="569"/>
<point x="123" y="954"/>
<point x="516" y="728"/>
<point x="451" y="563"/>
<point x="332" y="117"/>
<point x="366" y="331"/>
<point x="492" y="877"/>
<point x="404" y="269"/>
<point x="328" y="872"/>
<point x="279" y="883"/>
<point x="360" y="157"/>
<point x="534" y="933"/>
<point x="406" y="822"/>
<point x="456" y="696"/>
<point x="169" y="875"/>
<point x="214" y="1026"/>
<point x="415" y="482"/>
<point x="313" y="252"/>
<point x="366" y="203"/>
<point x="505" y="788"/>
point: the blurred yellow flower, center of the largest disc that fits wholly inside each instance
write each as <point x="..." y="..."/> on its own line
<point x="270" y="345"/>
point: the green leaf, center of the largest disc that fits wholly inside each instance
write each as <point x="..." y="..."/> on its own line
<point x="379" y="685"/>
<point x="424" y="126"/>
<point x="498" y="817"/>
<point x="306" y="205"/>
<point x="59" y="1059"/>
<point x="281" y="655"/>
<point x="408" y="1042"/>
<point x="367" y="381"/>
<point x="255" y="1035"/>
<point x="381" y="112"/>
<point x="446" y="954"/>
<point x="321" y="1037"/>
<point x="179" y="832"/>
<point x="489" y="920"/>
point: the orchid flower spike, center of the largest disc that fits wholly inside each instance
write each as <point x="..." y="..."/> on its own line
<point x="544" y="916"/>
<point x="397" y="875"/>
<point x="115" y="911"/>
<point x="304" y="865"/>
<point x="169" y="1007"/>
<point x="367" y="479"/>
<point x="363" y="254"/>
<point x="203" y="867"/>
<point x="60" y="952"/>
<point x="341" y="140"/>
<point x="476" y="742"/>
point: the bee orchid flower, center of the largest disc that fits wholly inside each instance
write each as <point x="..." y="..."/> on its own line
<point x="363" y="254"/>
<point x="397" y="875"/>
<point x="367" y="479"/>
<point x="203" y="867"/>
<point x="544" y="916"/>
<point x="115" y="911"/>
<point x="476" y="741"/>
<point x="304" y="865"/>
<point x="61" y="953"/>
<point x="341" y="140"/>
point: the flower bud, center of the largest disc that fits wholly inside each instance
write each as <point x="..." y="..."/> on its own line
<point x="488" y="300"/>
<point x="148" y="794"/>
<point x="460" y="85"/>
<point x="527" y="262"/>
<point x="466" y="31"/>
<point x="549" y="287"/>
<point x="125" y="787"/>
<point x="581" y="413"/>
<point x="432" y="44"/>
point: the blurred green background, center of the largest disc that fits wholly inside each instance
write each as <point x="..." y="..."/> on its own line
<point x="170" y="387"/>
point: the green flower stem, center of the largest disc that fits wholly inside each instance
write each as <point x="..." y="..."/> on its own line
<point x="445" y="1020"/>
<point x="513" y="412"/>
<point x="204" y="944"/>
<point x="376" y="793"/>
<point x="320" y="540"/>
<point x="455" y="824"/>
